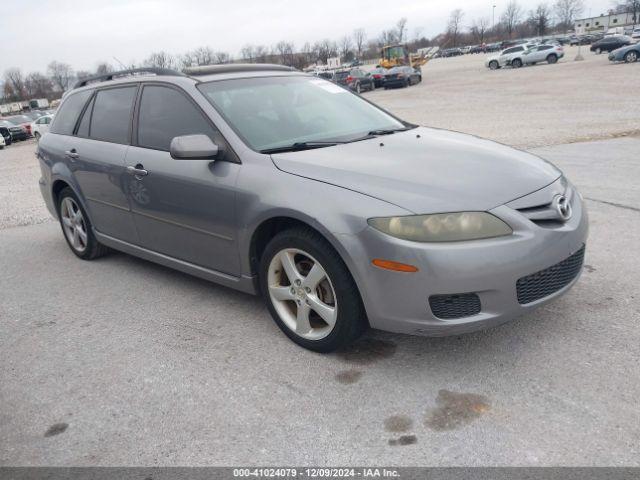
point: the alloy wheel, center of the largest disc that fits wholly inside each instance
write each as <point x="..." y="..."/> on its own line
<point x="73" y="224"/>
<point x="302" y="294"/>
<point x="631" y="57"/>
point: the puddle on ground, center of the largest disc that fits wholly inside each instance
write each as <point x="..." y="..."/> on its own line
<point x="348" y="377"/>
<point x="368" y="350"/>
<point x="397" y="423"/>
<point x="56" y="429"/>
<point x="455" y="410"/>
<point x="403" y="440"/>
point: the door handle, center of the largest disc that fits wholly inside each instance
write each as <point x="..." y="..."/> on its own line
<point x="137" y="171"/>
<point x="72" y="154"/>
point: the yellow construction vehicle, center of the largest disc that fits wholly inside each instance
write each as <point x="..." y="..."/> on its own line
<point x="395" y="55"/>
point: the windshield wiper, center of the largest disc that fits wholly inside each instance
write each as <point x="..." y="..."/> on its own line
<point x="298" y="146"/>
<point x="387" y="131"/>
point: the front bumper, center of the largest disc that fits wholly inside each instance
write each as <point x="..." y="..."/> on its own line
<point x="490" y="268"/>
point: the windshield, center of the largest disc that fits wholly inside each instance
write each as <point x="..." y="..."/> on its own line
<point x="272" y="112"/>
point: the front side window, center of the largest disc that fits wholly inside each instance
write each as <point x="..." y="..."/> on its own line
<point x="273" y="112"/>
<point x="112" y="114"/>
<point x="166" y="113"/>
<point x="68" y="112"/>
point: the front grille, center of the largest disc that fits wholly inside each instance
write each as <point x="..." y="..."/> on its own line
<point x="455" y="306"/>
<point x="545" y="282"/>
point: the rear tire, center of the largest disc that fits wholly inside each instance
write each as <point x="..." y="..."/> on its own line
<point x="358" y="89"/>
<point x="37" y="136"/>
<point x="335" y="295"/>
<point x="516" y="63"/>
<point x="77" y="228"/>
<point x="552" y="58"/>
<point x="598" y="51"/>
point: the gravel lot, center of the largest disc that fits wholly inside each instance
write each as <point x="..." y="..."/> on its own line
<point x="527" y="107"/>
<point x="123" y="362"/>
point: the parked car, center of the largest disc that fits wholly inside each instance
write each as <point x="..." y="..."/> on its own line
<point x="378" y="76"/>
<point x="21" y="121"/>
<point x="401" y="77"/>
<point x="16" y="132"/>
<point x="540" y="53"/>
<point x="327" y="75"/>
<point x="478" y="49"/>
<point x="280" y="184"/>
<point x="41" y="126"/>
<point x="635" y="34"/>
<point x="6" y="135"/>
<point x="359" y="81"/>
<point x="451" y="52"/>
<point x="340" y="77"/>
<point x="608" y="44"/>
<point x="504" y="58"/>
<point x="629" y="54"/>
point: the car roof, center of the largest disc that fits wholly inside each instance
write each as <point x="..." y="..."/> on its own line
<point x="192" y="76"/>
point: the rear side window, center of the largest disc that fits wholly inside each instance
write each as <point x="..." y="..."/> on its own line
<point x="112" y="114"/>
<point x="166" y="113"/>
<point x="67" y="114"/>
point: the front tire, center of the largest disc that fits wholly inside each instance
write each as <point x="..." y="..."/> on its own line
<point x="77" y="228"/>
<point x="516" y="63"/>
<point x="631" y="56"/>
<point x="309" y="291"/>
<point x="493" y="65"/>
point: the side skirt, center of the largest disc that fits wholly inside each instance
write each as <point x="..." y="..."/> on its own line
<point x="244" y="284"/>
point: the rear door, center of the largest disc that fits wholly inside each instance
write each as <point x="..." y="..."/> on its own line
<point x="182" y="208"/>
<point x="97" y="159"/>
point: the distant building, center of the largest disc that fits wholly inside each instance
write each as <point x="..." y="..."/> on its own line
<point x="604" y="22"/>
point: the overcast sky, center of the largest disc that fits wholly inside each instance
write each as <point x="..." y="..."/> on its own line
<point x="86" y="32"/>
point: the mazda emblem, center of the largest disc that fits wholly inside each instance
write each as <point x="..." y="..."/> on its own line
<point x="563" y="207"/>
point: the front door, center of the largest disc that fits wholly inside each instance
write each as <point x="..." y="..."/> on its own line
<point x="181" y="208"/>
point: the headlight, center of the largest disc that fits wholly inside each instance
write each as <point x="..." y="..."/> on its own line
<point x="442" y="227"/>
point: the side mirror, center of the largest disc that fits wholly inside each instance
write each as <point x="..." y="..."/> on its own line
<point x="193" y="147"/>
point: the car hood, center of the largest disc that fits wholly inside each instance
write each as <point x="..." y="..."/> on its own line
<point x="425" y="170"/>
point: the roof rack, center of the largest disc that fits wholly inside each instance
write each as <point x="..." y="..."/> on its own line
<point x="130" y="72"/>
<point x="235" y="68"/>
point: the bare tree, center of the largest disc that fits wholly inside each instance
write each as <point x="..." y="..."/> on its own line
<point x="388" y="37"/>
<point x="14" y="80"/>
<point x="248" y="53"/>
<point x="479" y="28"/>
<point x="160" y="59"/>
<point x="455" y="25"/>
<point x="61" y="74"/>
<point x="284" y="50"/>
<point x="540" y="19"/>
<point x="38" y="86"/>
<point x="401" y="28"/>
<point x="202" y="56"/>
<point x="359" y="38"/>
<point x="345" y="47"/>
<point x="566" y="11"/>
<point x="261" y="53"/>
<point x="221" y="57"/>
<point x="511" y="17"/>
<point x="325" y="49"/>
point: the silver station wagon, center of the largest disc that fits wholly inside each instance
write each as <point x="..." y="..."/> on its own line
<point x="339" y="214"/>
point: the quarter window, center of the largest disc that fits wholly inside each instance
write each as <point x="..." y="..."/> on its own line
<point x="67" y="115"/>
<point x="112" y="114"/>
<point x="166" y="113"/>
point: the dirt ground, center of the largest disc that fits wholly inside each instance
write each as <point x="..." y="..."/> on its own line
<point x="527" y="107"/>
